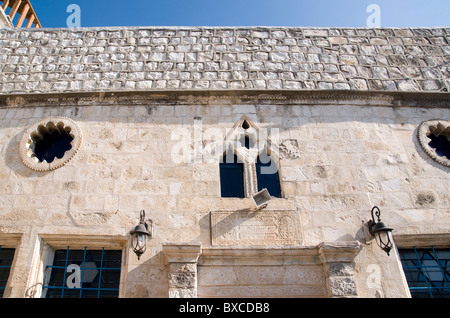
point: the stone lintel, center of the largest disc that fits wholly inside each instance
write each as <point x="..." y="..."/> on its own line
<point x="10" y="239"/>
<point x="436" y="240"/>
<point x="259" y="255"/>
<point x="79" y="241"/>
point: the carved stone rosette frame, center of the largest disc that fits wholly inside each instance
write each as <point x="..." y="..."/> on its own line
<point x="438" y="128"/>
<point x="26" y="144"/>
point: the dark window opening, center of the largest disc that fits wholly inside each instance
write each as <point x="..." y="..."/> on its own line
<point x="84" y="274"/>
<point x="427" y="272"/>
<point x="6" y="259"/>
<point x="49" y="145"/>
<point x="245" y="124"/>
<point x="441" y="144"/>
<point x="232" y="178"/>
<point x="267" y="175"/>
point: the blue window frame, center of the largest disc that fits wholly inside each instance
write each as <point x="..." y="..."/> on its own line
<point x="83" y="274"/>
<point x="427" y="272"/>
<point x="6" y="259"/>
<point x="232" y="178"/>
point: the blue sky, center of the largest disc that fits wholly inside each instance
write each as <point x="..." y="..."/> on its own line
<point x="310" y="13"/>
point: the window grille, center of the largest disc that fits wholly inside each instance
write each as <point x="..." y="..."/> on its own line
<point x="83" y="274"/>
<point x="427" y="272"/>
<point x="6" y="258"/>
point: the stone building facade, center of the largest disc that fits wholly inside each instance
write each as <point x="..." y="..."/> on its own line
<point x="345" y="115"/>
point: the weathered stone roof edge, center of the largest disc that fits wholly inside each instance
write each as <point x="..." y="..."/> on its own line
<point x="157" y="27"/>
<point x="221" y="58"/>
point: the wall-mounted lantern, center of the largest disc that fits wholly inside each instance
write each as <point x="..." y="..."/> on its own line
<point x="380" y="231"/>
<point x="139" y="235"/>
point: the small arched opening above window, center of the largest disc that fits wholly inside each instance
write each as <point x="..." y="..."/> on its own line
<point x="245" y="124"/>
<point x="434" y="138"/>
<point x="50" y="143"/>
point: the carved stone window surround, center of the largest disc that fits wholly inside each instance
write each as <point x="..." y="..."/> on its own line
<point x="46" y="244"/>
<point x="248" y="157"/>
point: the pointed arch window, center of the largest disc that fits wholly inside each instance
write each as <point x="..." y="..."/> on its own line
<point x="232" y="178"/>
<point x="267" y="175"/>
<point x="258" y="169"/>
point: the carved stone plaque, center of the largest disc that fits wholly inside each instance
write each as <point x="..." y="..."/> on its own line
<point x="255" y="228"/>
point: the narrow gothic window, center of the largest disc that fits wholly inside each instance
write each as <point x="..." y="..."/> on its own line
<point x="256" y="171"/>
<point x="248" y="143"/>
<point x="267" y="175"/>
<point x="232" y="178"/>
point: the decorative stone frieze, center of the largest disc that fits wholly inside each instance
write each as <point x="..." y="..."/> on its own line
<point x="255" y="228"/>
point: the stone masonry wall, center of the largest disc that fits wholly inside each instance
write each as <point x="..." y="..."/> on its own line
<point x="339" y="158"/>
<point x="152" y="58"/>
<point x="344" y="146"/>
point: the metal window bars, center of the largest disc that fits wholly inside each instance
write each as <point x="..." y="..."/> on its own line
<point x="25" y="11"/>
<point x="88" y="276"/>
<point x="427" y="271"/>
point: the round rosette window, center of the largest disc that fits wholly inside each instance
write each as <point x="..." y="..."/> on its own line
<point x="434" y="138"/>
<point x="50" y="143"/>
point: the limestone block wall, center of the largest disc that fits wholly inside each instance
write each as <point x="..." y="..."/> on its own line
<point x="338" y="158"/>
<point x="341" y="108"/>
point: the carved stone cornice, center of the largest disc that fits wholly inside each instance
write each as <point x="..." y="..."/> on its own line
<point x="338" y="251"/>
<point x="182" y="252"/>
<point x="224" y="97"/>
